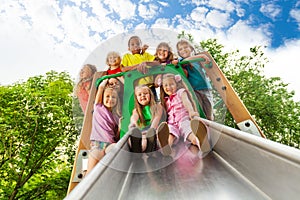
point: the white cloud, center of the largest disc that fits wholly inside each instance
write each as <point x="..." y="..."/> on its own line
<point x="223" y="5"/>
<point x="161" y="23"/>
<point x="218" y="19"/>
<point x="124" y="8"/>
<point x="148" y="11"/>
<point x="241" y="36"/>
<point x="198" y="14"/>
<point x="270" y="10"/>
<point x="295" y="13"/>
<point x="283" y="62"/>
<point x="164" y="4"/>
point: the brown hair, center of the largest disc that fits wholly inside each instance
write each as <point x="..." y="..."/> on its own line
<point x="170" y="53"/>
<point x="180" y="84"/>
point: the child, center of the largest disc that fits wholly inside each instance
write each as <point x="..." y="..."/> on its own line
<point x="131" y="61"/>
<point x="84" y="84"/>
<point x="180" y="109"/>
<point x="147" y="114"/>
<point x="113" y="83"/>
<point x="197" y="77"/>
<point x="113" y="60"/>
<point x="105" y="124"/>
<point x="164" y="54"/>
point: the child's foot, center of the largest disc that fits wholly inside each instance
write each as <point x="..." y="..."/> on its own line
<point x="151" y="139"/>
<point x="136" y="140"/>
<point x="200" y="130"/>
<point x="163" y="136"/>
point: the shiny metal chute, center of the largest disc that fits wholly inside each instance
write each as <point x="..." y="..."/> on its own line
<point x="240" y="166"/>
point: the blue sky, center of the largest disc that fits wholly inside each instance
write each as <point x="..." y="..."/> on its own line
<point x="37" y="36"/>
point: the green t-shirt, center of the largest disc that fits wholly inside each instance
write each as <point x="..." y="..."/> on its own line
<point x="147" y="116"/>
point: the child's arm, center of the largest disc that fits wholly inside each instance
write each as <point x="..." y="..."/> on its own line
<point x="144" y="48"/>
<point x="157" y="117"/>
<point x="188" y="105"/>
<point x="99" y="95"/>
<point x="88" y="87"/>
<point x="205" y="57"/>
<point x="128" y="68"/>
<point x="133" y="119"/>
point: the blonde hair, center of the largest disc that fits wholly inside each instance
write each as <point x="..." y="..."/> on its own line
<point x="139" y="107"/>
<point x="80" y="84"/>
<point x="117" y="108"/>
<point x="183" y="41"/>
<point x="113" y="53"/>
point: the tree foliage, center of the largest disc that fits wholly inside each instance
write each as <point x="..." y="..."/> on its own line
<point x="267" y="99"/>
<point x="37" y="137"/>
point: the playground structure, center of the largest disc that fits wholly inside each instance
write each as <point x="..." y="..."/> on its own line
<point x="242" y="164"/>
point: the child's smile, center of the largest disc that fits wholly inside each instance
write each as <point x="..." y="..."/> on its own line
<point x="169" y="86"/>
<point x="143" y="96"/>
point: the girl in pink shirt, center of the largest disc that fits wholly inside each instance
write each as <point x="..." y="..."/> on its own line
<point x="105" y="123"/>
<point x="181" y="110"/>
<point x="84" y="84"/>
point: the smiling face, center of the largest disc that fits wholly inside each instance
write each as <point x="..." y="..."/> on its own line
<point x="135" y="45"/>
<point x="143" y="95"/>
<point x="184" y="50"/>
<point x="169" y="85"/>
<point x="110" y="97"/>
<point x="113" y="60"/>
<point x="162" y="53"/>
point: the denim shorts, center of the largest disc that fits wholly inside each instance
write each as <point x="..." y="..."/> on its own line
<point x="98" y="145"/>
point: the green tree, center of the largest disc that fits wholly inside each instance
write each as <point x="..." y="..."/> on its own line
<point x="37" y="137"/>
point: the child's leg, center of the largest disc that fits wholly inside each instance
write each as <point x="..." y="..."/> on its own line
<point x="144" y="142"/>
<point x="205" y="98"/>
<point x="194" y="140"/>
<point x="200" y="130"/>
<point x="93" y="158"/>
<point x="109" y="147"/>
<point x="151" y="140"/>
<point x="135" y="140"/>
<point x="171" y="139"/>
<point x="163" y="135"/>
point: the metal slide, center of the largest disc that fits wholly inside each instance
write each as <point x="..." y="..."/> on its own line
<point x="240" y="166"/>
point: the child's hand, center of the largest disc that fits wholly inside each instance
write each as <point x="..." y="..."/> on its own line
<point x="207" y="60"/>
<point x="193" y="114"/>
<point x="132" y="125"/>
<point x="103" y="83"/>
<point x="174" y="62"/>
<point x="142" y="68"/>
<point x="144" y="48"/>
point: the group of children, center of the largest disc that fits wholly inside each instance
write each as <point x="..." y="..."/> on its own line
<point x="154" y="124"/>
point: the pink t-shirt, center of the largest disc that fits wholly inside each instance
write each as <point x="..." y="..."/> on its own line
<point x="83" y="96"/>
<point x="104" y="125"/>
<point x="175" y="108"/>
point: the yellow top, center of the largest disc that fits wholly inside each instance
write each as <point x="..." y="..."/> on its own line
<point x="134" y="59"/>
